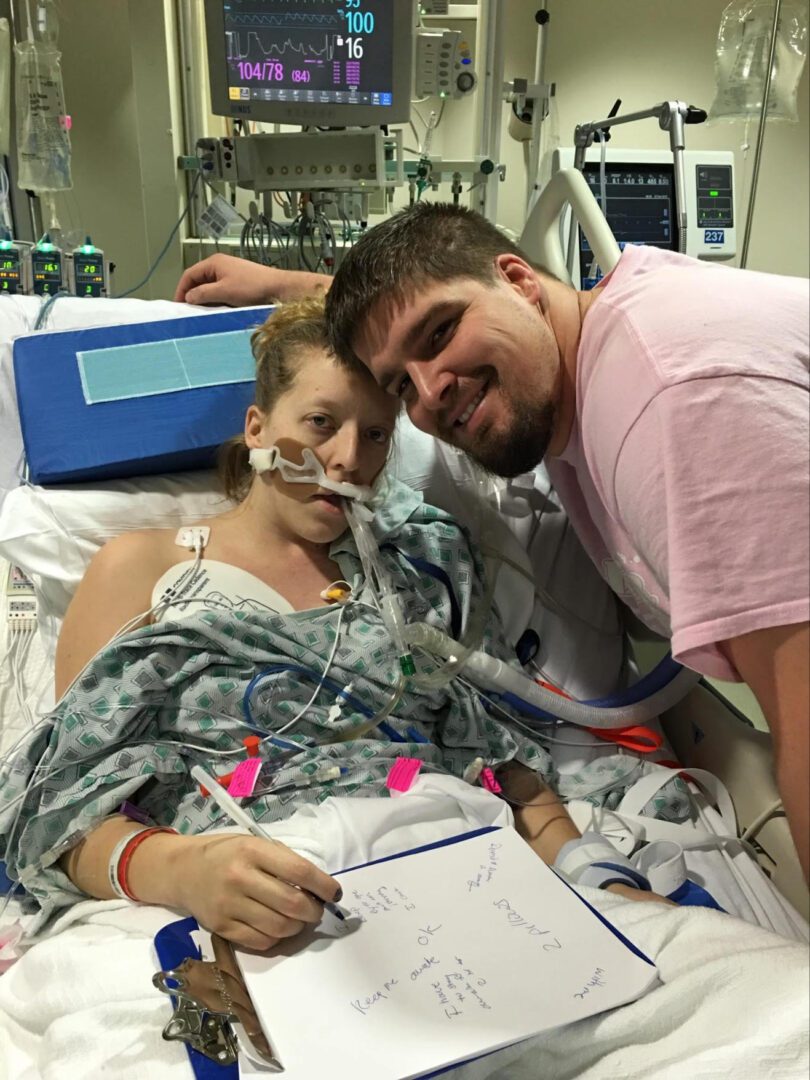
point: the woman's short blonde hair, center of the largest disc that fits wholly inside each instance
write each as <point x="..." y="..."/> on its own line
<point x="278" y="346"/>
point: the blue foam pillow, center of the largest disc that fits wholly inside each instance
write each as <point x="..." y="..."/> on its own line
<point x="68" y="440"/>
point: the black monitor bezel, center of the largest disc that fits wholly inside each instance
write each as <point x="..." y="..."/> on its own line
<point x="285" y="112"/>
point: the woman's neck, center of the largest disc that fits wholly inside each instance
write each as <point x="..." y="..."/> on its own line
<point x="254" y="527"/>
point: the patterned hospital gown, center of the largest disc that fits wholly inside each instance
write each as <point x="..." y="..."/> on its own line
<point x="165" y="697"/>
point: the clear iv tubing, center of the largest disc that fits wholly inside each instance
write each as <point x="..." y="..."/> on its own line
<point x="492" y="674"/>
<point x="461" y="650"/>
<point x="5" y="219"/>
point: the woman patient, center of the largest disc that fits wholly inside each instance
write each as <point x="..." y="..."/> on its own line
<point x="264" y="627"/>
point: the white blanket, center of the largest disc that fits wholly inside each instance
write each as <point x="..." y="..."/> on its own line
<point x="733" y="998"/>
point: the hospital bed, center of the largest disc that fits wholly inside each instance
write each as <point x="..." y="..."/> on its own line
<point x="51" y="534"/>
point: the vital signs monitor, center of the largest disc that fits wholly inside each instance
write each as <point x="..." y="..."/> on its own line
<point x="640" y="202"/>
<point x="334" y="63"/>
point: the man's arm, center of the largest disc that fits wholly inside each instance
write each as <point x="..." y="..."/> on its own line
<point x="776" y="665"/>
<point x="224" y="279"/>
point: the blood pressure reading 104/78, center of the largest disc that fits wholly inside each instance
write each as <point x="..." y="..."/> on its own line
<point x="337" y="52"/>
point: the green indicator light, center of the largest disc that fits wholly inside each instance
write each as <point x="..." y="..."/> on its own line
<point x="5" y="245"/>
<point x="407" y="666"/>
<point x="45" y="247"/>
<point x="714" y="194"/>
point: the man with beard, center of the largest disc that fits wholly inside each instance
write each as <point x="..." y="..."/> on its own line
<point x="669" y="404"/>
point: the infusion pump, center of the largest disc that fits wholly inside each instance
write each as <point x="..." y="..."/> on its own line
<point x="640" y="202"/>
<point x="44" y="269"/>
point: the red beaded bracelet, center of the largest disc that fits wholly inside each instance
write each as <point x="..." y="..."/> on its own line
<point x="129" y="850"/>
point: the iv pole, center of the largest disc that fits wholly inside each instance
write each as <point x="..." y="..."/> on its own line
<point x="671" y="116"/>
<point x="766" y="93"/>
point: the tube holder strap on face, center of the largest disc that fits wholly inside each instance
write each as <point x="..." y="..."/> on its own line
<point x="310" y="471"/>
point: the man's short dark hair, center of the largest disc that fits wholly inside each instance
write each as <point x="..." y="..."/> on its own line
<point x="427" y="242"/>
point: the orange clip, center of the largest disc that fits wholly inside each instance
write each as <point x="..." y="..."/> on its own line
<point x="224" y="781"/>
<point x="640" y="739"/>
<point x="553" y="689"/>
<point x="251" y="744"/>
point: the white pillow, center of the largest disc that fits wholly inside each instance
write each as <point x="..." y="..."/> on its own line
<point x="53" y="533"/>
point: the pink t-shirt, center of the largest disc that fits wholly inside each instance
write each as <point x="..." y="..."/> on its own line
<point x="686" y="474"/>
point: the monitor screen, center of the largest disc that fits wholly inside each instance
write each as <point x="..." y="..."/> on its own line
<point x="640" y="209"/>
<point x="340" y="62"/>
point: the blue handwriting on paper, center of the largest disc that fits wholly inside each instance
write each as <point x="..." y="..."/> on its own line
<point x="363" y="1005"/>
<point x="596" y="980"/>
<point x="516" y="919"/>
<point x="486" y="870"/>
<point x="363" y="905"/>
<point x="452" y="983"/>
<point x="426" y="933"/>
<point x="460" y="987"/>
<point x="428" y="962"/>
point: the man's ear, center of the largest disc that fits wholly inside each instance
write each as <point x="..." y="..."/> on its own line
<point x="522" y="277"/>
<point x="254" y="426"/>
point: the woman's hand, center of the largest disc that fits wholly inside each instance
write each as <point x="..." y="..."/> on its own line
<point x="224" y="279"/>
<point x="244" y="888"/>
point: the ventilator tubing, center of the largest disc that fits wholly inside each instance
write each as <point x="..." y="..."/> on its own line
<point x="489" y="673"/>
<point x="402" y="633"/>
<point x="377" y="577"/>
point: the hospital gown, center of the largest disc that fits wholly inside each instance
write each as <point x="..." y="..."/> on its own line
<point x="173" y="694"/>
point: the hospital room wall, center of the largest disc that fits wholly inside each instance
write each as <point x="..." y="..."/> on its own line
<point x="646" y="51"/>
<point x="118" y="60"/>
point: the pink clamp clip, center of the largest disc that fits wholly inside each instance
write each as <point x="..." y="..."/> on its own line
<point x="244" y="778"/>
<point x="402" y="775"/>
<point x="489" y="782"/>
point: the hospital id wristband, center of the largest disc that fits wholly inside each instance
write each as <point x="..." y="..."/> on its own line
<point x="112" y="865"/>
<point x="121" y="858"/>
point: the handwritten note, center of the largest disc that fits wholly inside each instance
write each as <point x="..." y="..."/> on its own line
<point x="444" y="955"/>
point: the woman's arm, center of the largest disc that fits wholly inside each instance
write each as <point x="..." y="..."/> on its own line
<point x="253" y="892"/>
<point x="545" y="824"/>
<point x="116" y="587"/>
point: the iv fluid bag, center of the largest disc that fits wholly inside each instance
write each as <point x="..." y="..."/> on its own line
<point x="741" y="60"/>
<point x="43" y="142"/>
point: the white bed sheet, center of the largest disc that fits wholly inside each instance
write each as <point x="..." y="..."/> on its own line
<point x="733" y="999"/>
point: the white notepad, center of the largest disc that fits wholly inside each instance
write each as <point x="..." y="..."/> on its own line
<point x="447" y="953"/>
